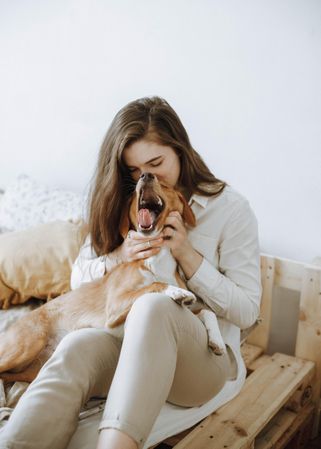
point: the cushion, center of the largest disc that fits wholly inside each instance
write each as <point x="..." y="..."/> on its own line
<point x="37" y="262"/>
<point x="27" y="203"/>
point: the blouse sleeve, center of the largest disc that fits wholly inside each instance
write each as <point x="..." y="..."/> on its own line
<point x="87" y="267"/>
<point x="233" y="290"/>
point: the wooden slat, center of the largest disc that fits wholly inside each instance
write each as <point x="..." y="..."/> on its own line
<point x="236" y="424"/>
<point x="260" y="335"/>
<point x="268" y="437"/>
<point x="171" y="441"/>
<point x="288" y="274"/>
<point x="282" y="428"/>
<point x="308" y="343"/>
<point x="264" y="358"/>
<point x="250" y="353"/>
<point x="303" y="395"/>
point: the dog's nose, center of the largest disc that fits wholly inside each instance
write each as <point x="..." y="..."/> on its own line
<point x="147" y="176"/>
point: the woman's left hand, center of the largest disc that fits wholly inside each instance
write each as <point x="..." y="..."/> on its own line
<point x="175" y="237"/>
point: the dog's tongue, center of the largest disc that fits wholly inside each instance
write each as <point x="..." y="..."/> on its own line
<point x="145" y="218"/>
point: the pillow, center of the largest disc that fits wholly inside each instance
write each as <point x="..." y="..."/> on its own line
<point x="37" y="262"/>
<point x="2" y="228"/>
<point x="27" y="203"/>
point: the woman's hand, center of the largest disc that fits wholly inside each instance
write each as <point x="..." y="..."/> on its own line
<point x="175" y="237"/>
<point x="135" y="247"/>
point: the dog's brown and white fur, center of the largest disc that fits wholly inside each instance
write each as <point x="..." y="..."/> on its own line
<point x="105" y="303"/>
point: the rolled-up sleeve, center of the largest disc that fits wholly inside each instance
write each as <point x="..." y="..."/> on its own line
<point x="87" y="267"/>
<point x="233" y="290"/>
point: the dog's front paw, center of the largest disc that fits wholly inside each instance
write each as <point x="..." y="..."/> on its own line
<point x="180" y="295"/>
<point x="218" y="348"/>
<point x="215" y="339"/>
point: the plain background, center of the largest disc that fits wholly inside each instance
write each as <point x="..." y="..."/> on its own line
<point x="244" y="76"/>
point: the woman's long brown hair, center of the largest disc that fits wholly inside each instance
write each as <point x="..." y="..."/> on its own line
<point x="150" y="118"/>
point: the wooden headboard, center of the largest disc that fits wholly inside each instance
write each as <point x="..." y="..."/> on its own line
<point x="302" y="278"/>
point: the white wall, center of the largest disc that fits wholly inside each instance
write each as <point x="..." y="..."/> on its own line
<point x="243" y="75"/>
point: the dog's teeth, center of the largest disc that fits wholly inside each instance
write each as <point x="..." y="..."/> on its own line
<point x="159" y="201"/>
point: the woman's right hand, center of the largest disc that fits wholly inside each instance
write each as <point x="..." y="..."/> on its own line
<point x="135" y="247"/>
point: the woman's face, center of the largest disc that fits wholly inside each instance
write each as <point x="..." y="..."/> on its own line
<point x="146" y="156"/>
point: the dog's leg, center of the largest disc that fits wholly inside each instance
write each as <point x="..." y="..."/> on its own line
<point x="180" y="295"/>
<point x="23" y="341"/>
<point x="215" y="340"/>
<point x="27" y="375"/>
<point x="118" y="308"/>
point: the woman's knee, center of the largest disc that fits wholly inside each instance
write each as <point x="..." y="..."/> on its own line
<point x="74" y="341"/>
<point x="152" y="307"/>
<point x="88" y="344"/>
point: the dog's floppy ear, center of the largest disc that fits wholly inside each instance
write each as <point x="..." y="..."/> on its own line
<point x="188" y="214"/>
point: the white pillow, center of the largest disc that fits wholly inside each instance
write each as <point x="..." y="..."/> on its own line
<point x="26" y="203"/>
<point x="3" y="229"/>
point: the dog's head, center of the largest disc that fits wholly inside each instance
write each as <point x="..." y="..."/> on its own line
<point x="151" y="204"/>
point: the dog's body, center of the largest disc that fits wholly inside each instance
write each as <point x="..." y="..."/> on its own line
<point x="106" y="302"/>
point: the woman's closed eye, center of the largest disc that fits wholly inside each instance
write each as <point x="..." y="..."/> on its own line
<point x="151" y="164"/>
<point x="132" y="170"/>
<point x="156" y="164"/>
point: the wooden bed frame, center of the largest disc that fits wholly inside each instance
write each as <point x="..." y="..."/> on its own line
<point x="279" y="405"/>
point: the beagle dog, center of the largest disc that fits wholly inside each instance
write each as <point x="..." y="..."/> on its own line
<point x="106" y="302"/>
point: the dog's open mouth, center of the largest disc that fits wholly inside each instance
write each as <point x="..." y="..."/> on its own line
<point x="149" y="208"/>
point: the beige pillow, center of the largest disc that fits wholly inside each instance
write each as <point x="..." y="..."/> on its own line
<point x="37" y="262"/>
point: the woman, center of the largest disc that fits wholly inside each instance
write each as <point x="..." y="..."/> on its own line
<point x="164" y="355"/>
